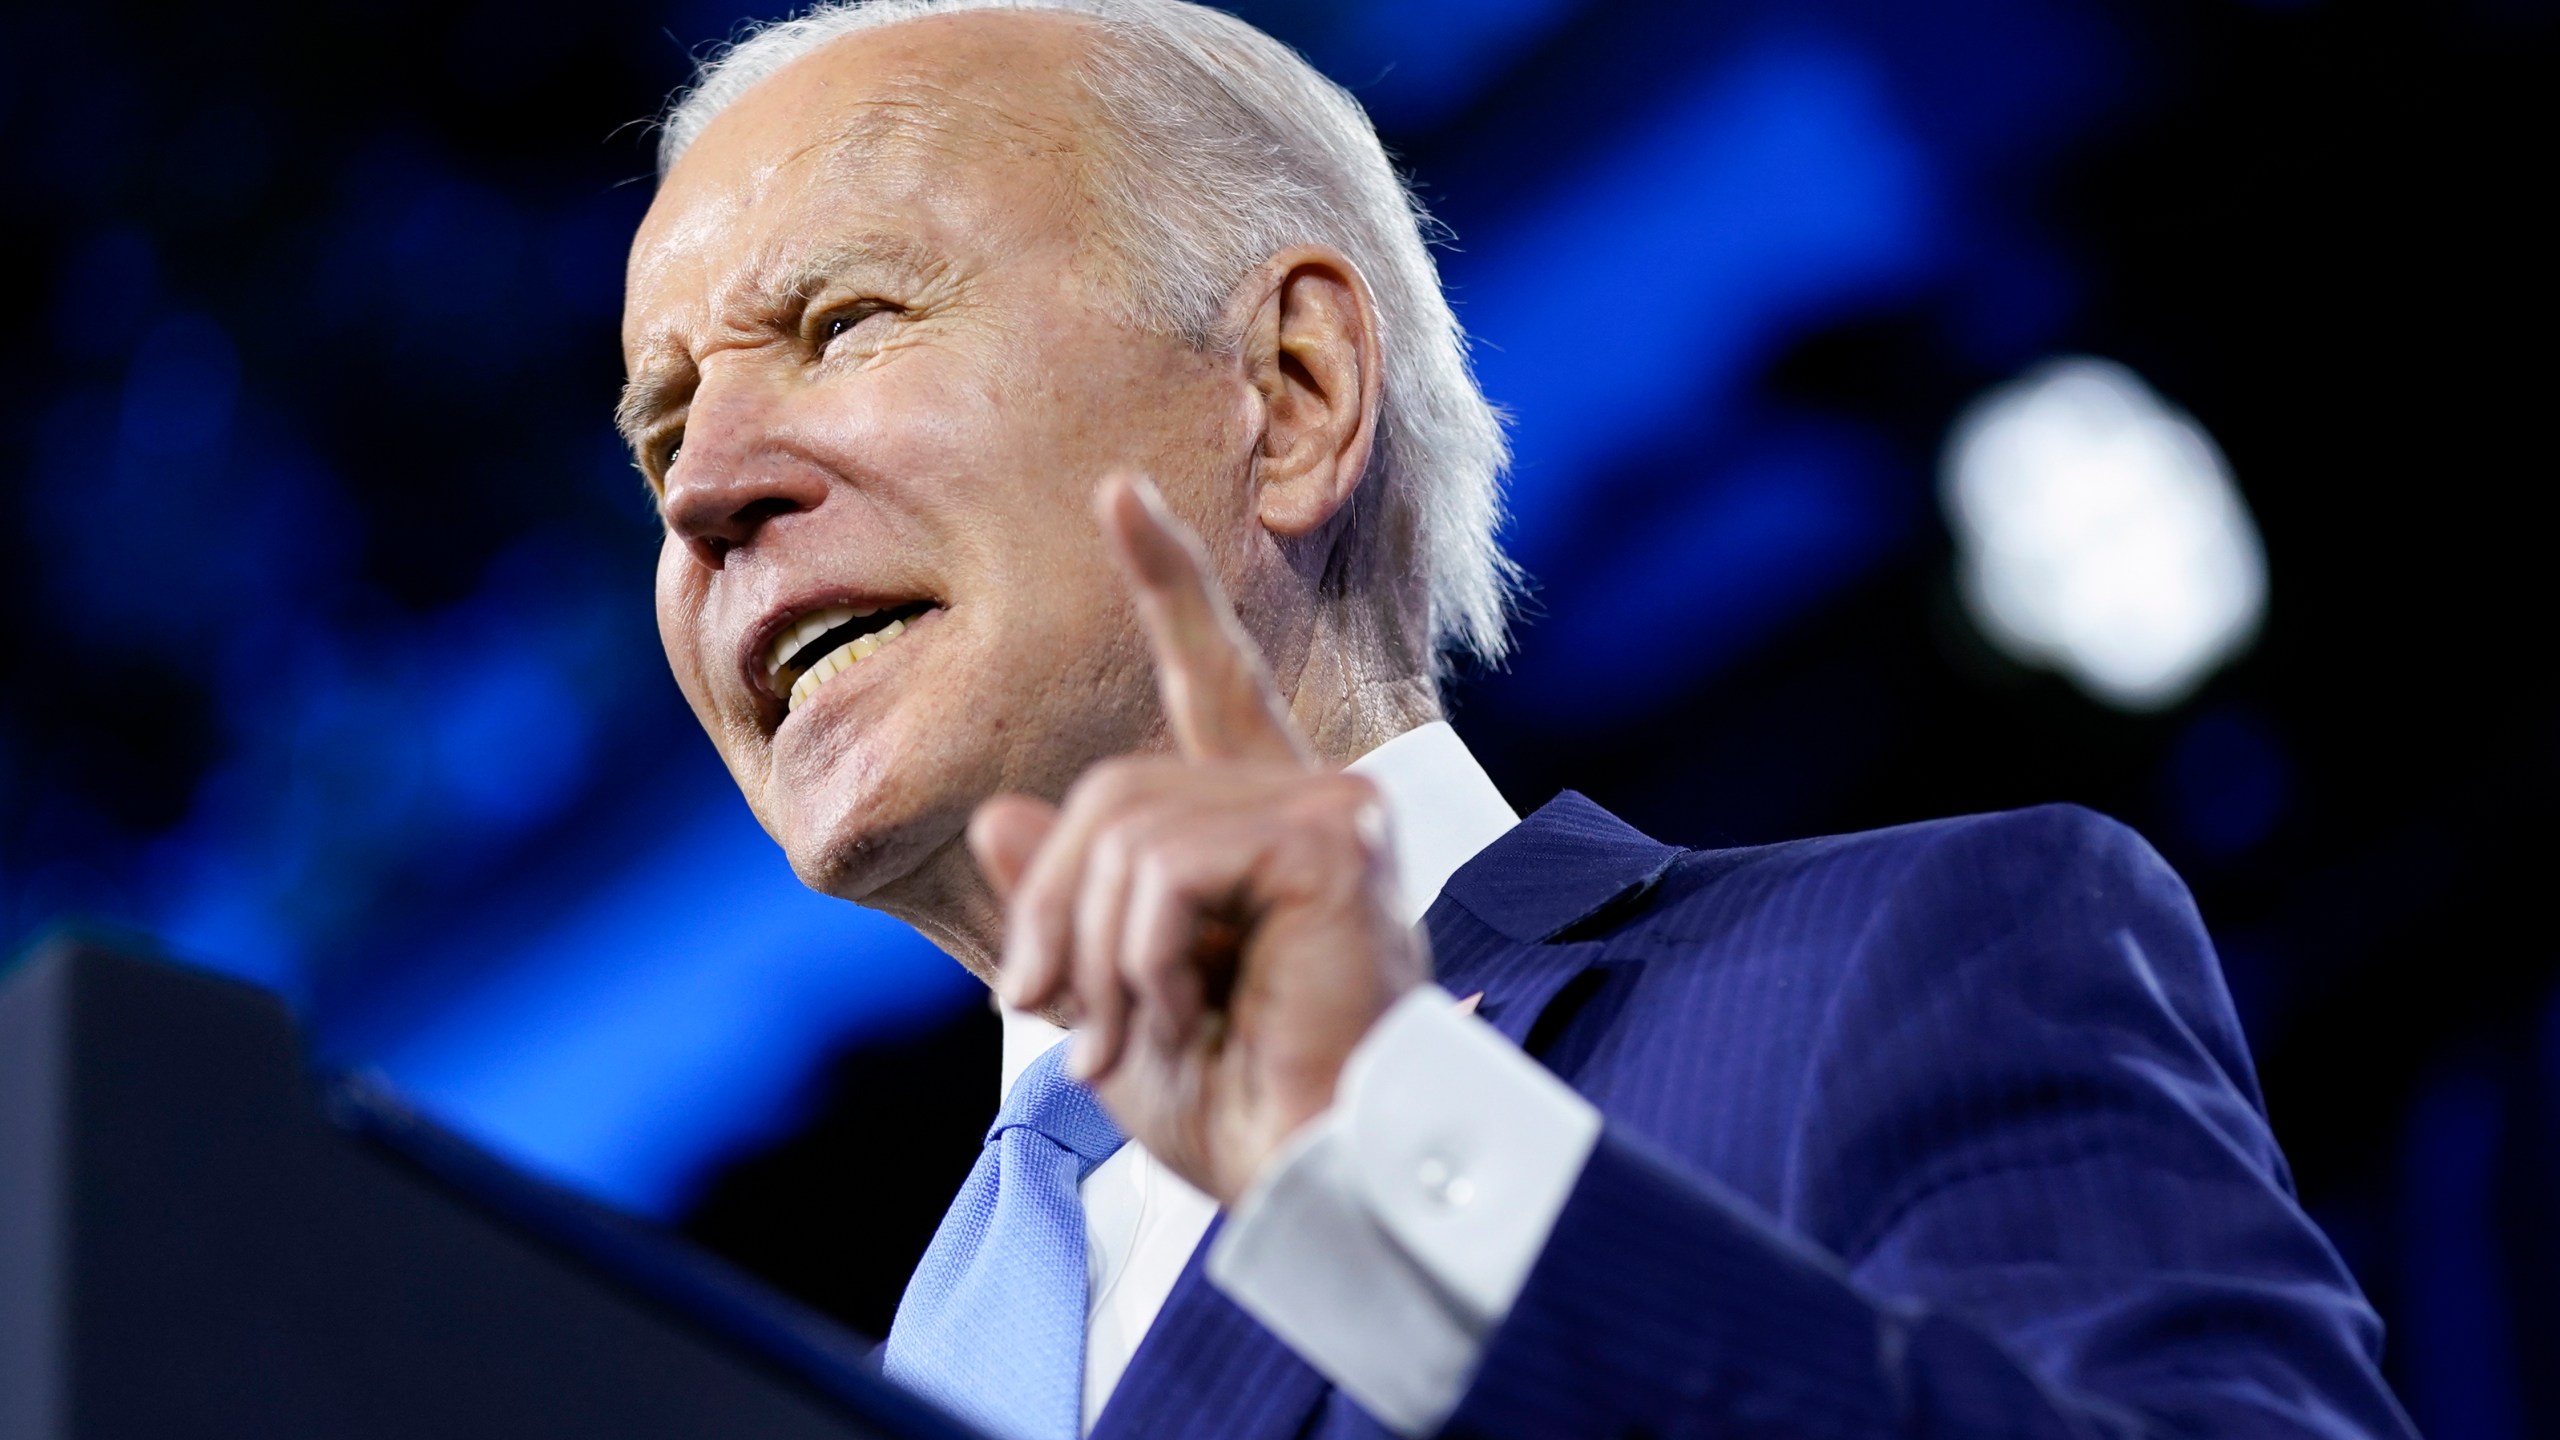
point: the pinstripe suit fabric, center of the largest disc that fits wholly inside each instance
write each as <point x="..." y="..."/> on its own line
<point x="1947" y="1130"/>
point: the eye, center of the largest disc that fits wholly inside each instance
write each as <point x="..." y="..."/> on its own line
<point x="664" y="453"/>
<point x="840" y="322"/>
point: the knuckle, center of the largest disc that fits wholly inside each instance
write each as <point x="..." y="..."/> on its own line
<point x="1103" y="786"/>
<point x="1112" y="847"/>
<point x="1351" y="788"/>
<point x="1099" y="787"/>
<point x="1148" y="880"/>
<point x="1350" y="809"/>
<point x="1117" y="782"/>
<point x="1143" y="840"/>
<point x="1160" y="869"/>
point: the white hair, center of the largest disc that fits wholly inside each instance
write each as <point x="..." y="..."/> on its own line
<point x="1231" y="148"/>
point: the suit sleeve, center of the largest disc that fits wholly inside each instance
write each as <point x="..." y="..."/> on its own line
<point x="2033" y="1193"/>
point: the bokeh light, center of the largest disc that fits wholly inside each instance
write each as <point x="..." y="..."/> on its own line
<point x="2099" y="533"/>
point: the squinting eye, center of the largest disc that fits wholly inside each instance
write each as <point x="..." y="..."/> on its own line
<point x="844" y="320"/>
<point x="668" y="451"/>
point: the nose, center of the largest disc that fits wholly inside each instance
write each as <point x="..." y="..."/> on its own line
<point x="730" y="481"/>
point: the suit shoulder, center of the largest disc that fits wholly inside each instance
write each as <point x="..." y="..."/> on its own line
<point x="1985" y="872"/>
<point x="2031" y="852"/>
<point x="2055" y="908"/>
<point x="1919" y="896"/>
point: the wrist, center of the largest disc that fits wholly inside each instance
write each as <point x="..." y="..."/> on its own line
<point x="1298" y="1093"/>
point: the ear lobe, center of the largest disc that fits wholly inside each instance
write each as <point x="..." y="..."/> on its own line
<point x="1316" y="363"/>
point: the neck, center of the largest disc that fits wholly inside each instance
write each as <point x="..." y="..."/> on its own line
<point x="1345" y="698"/>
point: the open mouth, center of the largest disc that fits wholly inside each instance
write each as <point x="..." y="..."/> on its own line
<point x="826" y="643"/>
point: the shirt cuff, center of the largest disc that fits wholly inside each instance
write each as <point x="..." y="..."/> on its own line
<point x="1391" y="1235"/>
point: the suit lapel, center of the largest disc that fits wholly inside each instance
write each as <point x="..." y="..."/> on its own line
<point x="1206" y="1369"/>
<point x="1505" y="922"/>
<point x="1566" y="864"/>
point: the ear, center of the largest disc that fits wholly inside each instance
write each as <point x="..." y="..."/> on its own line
<point x="1311" y="353"/>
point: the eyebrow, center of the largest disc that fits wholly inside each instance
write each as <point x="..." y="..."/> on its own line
<point x="868" y="249"/>
<point x="665" y="381"/>
<point x="655" y="390"/>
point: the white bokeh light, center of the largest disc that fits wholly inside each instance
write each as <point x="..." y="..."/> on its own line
<point x="2099" y="534"/>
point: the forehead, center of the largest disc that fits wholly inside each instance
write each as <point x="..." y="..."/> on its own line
<point x="963" y="129"/>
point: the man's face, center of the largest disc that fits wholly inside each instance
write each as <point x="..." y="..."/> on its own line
<point x="876" y="369"/>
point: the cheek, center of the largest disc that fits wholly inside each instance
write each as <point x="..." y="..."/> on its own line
<point x="680" y="611"/>
<point x="998" y="473"/>
<point x="920" y="446"/>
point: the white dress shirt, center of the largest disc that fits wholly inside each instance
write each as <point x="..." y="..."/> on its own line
<point x="1393" y="1232"/>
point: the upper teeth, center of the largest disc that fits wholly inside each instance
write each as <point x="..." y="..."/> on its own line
<point x="811" y="626"/>
<point x="841" y="659"/>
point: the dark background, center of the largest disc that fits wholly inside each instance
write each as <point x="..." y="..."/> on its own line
<point x="328" y="654"/>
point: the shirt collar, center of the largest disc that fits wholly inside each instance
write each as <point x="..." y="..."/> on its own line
<point x="1442" y="810"/>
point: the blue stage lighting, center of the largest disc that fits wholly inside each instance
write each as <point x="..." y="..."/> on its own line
<point x="671" y="1018"/>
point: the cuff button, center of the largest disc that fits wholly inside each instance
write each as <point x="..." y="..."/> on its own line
<point x="1443" y="1183"/>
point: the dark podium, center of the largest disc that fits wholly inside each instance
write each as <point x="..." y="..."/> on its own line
<point x="200" y="1239"/>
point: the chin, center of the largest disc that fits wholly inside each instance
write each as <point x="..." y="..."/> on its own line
<point x="861" y="841"/>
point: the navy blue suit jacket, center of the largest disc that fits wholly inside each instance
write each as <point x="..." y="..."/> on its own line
<point x="1947" y="1130"/>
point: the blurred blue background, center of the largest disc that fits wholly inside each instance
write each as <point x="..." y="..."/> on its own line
<point x="329" y="657"/>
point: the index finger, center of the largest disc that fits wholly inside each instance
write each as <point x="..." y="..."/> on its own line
<point x="1217" y="693"/>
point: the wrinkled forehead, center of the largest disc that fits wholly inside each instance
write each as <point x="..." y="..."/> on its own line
<point x="962" y="136"/>
<point x="738" y="193"/>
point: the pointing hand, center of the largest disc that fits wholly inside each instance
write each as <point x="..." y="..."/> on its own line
<point x="1219" y="922"/>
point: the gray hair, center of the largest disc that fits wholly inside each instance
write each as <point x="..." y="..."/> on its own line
<point x="1231" y="149"/>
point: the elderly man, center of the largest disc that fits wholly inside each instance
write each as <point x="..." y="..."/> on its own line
<point x="1072" y="478"/>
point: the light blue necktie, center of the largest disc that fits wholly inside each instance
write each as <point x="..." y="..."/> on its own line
<point x="992" y="1324"/>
